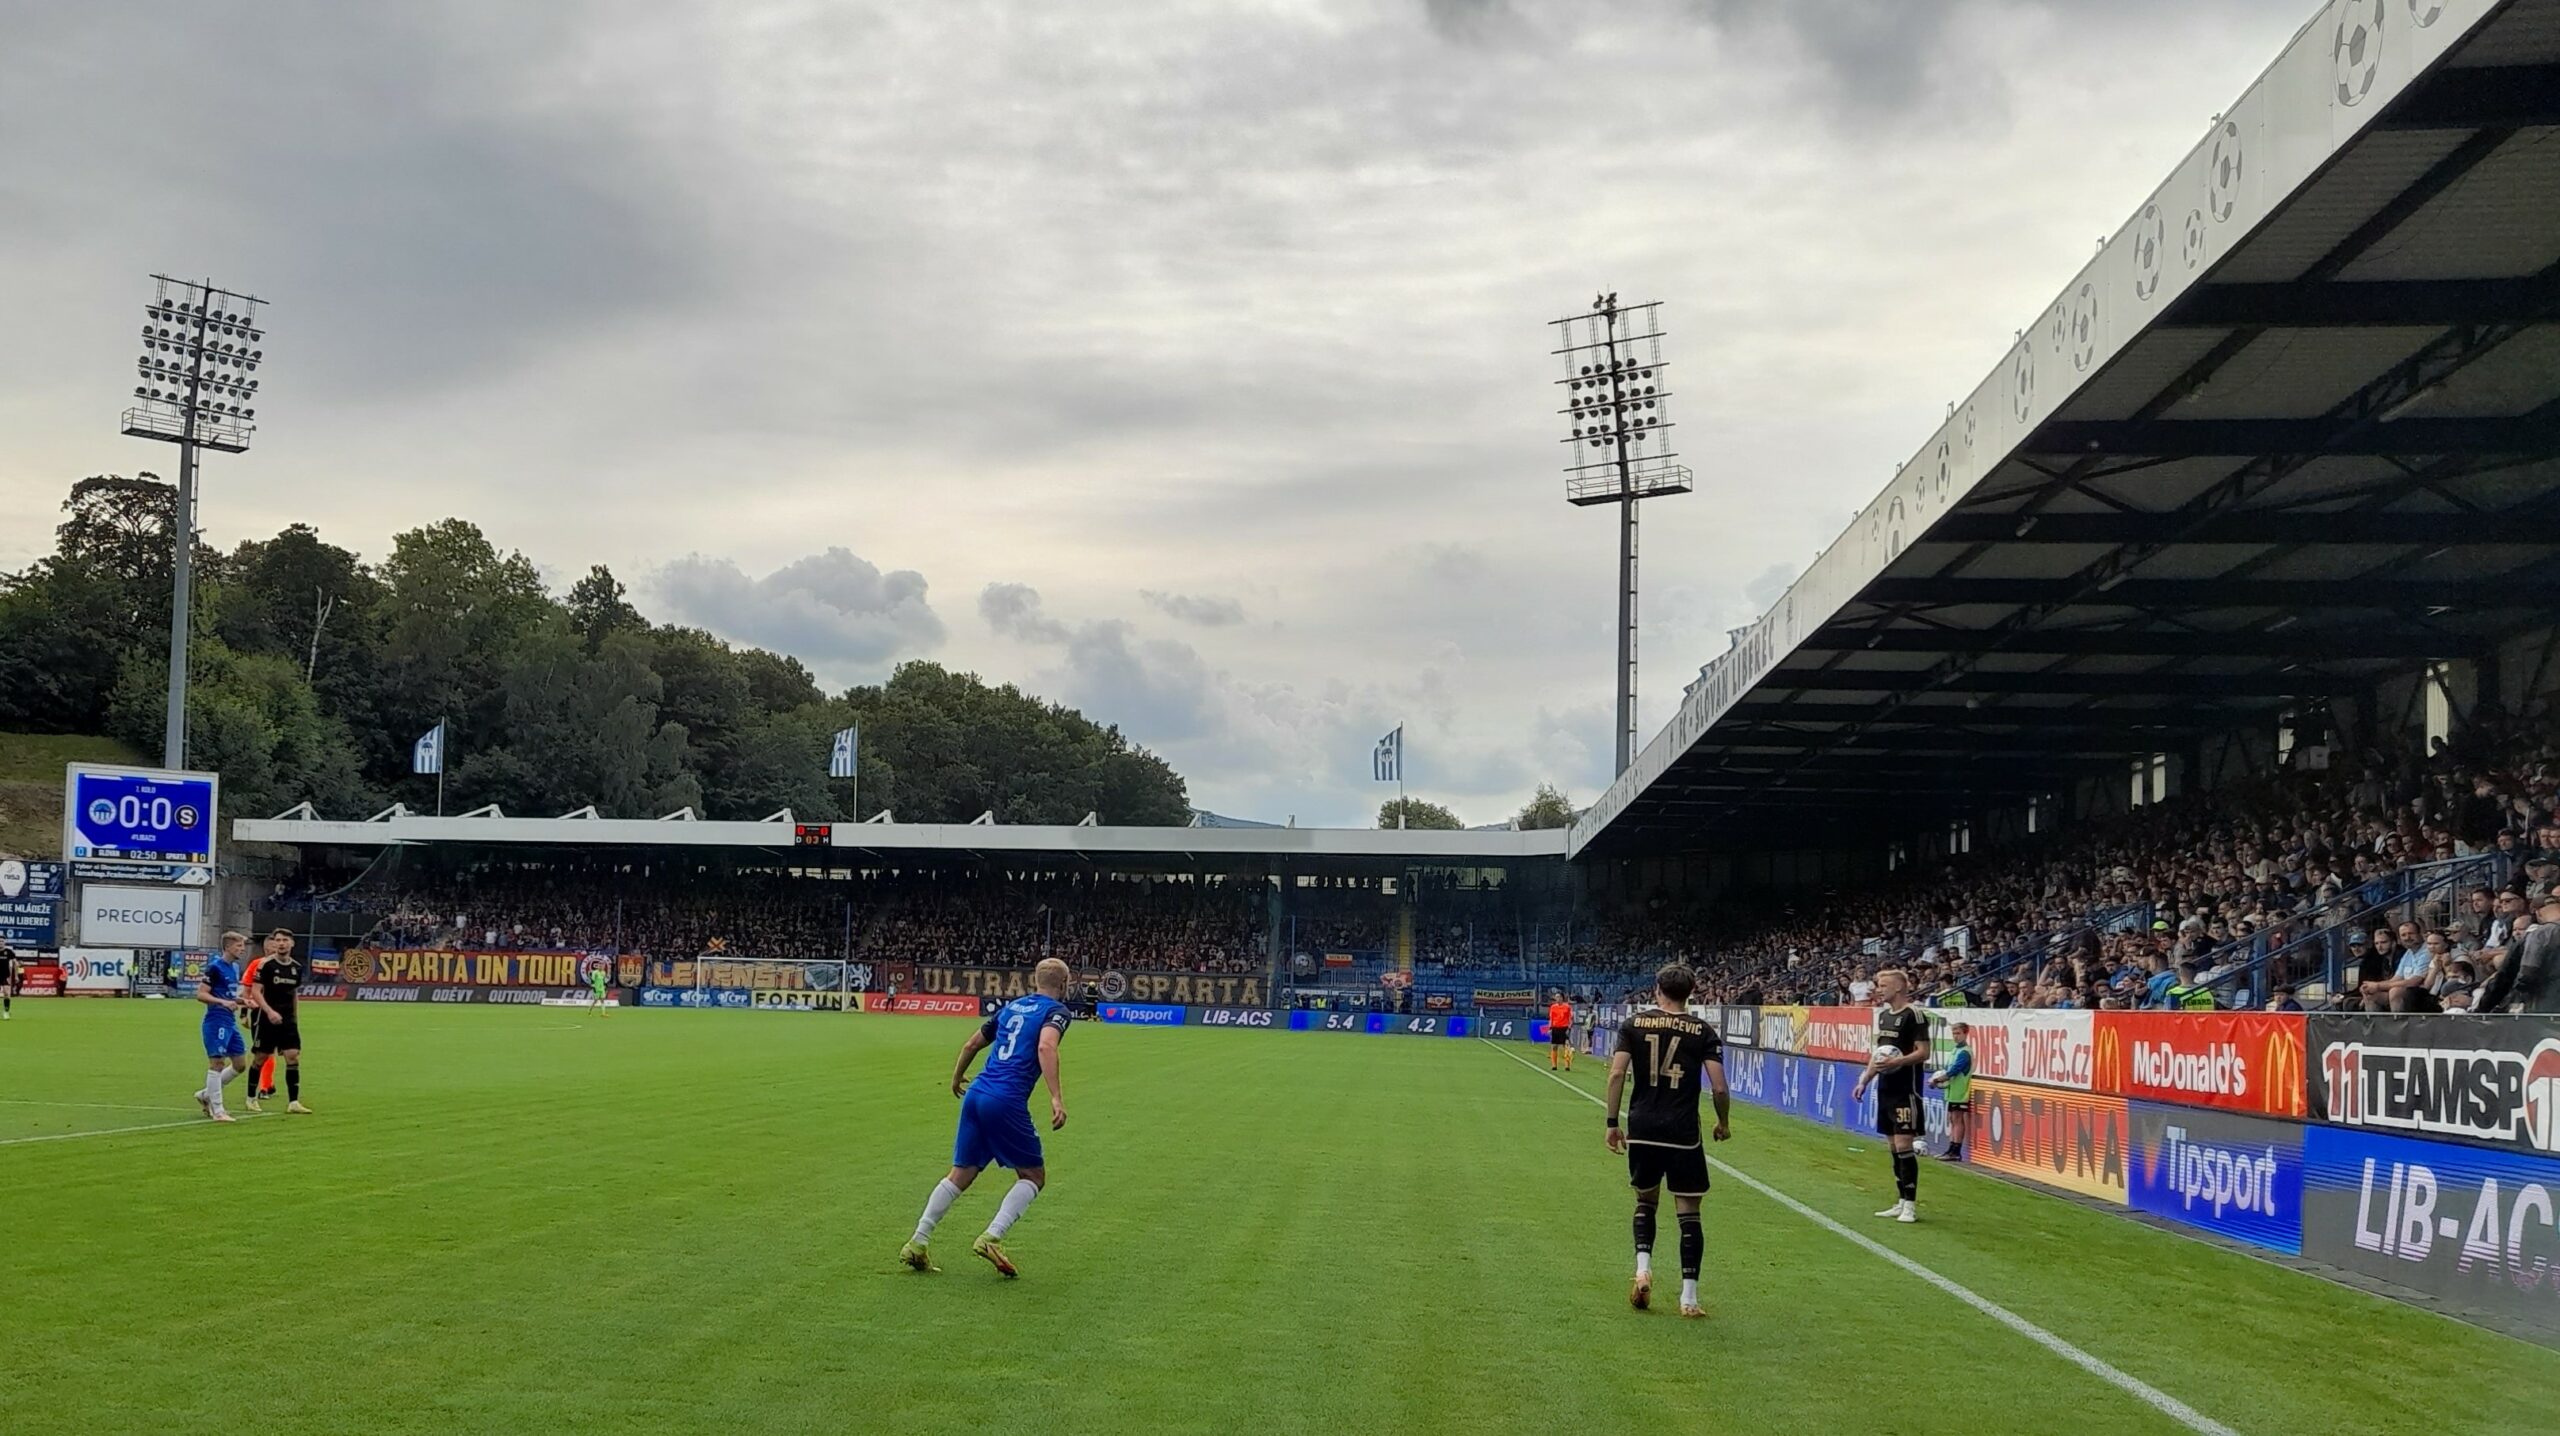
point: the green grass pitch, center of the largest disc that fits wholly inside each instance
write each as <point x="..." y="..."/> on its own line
<point x="510" y="1220"/>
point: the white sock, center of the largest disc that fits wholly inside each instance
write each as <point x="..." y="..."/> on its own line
<point x="213" y="1089"/>
<point x="944" y="1194"/>
<point x="1688" y="1291"/>
<point x="229" y="1073"/>
<point x="1010" y="1210"/>
<point x="1644" y="1263"/>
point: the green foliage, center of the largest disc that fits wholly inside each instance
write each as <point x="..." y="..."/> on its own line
<point x="311" y="672"/>
<point x="1417" y="814"/>
<point x="1546" y="808"/>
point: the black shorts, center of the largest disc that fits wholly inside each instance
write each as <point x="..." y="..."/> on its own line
<point x="1898" y="1114"/>
<point x="266" y="1037"/>
<point x="1559" y="1037"/>
<point x="1682" y="1169"/>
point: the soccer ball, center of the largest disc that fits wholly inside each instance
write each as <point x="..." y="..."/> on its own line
<point x="2358" y="50"/>
<point x="1885" y="1052"/>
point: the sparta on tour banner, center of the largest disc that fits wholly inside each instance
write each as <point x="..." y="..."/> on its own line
<point x="2240" y="1061"/>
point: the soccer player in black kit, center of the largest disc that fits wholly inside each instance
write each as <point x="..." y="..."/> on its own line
<point x="1901" y="1050"/>
<point x="276" y="997"/>
<point x="1671" y="1055"/>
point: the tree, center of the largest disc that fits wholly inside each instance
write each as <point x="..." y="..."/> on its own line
<point x="453" y="612"/>
<point x="597" y="609"/>
<point x="1417" y="814"/>
<point x="1547" y="808"/>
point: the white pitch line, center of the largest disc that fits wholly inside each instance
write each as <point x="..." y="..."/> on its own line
<point x="2149" y="1394"/>
<point x="114" y="1131"/>
<point x="104" y="1106"/>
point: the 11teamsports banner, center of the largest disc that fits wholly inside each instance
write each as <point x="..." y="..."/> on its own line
<point x="2487" y="1079"/>
<point x="2072" y="1140"/>
<point x="2239" y="1177"/>
<point x="2241" y="1061"/>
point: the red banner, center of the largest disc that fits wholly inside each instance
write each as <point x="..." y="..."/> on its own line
<point x="2243" y="1061"/>
<point x="927" y="1004"/>
<point x="2063" y="1139"/>
<point x="1843" y="1034"/>
<point x="43" y="979"/>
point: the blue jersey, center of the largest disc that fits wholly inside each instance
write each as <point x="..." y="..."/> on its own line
<point x="223" y="981"/>
<point x="1013" y="1051"/>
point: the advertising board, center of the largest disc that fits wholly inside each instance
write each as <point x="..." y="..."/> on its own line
<point x="922" y="1004"/>
<point x="2239" y="1177"/>
<point x="2240" y="1061"/>
<point x="1176" y="989"/>
<point x="30" y="904"/>
<point x="1842" y="1034"/>
<point x="1388" y="1024"/>
<point x="1262" y="1017"/>
<point x="2488" y="1079"/>
<point x="2475" y="1227"/>
<point x="95" y="971"/>
<point x="116" y="916"/>
<point x="1139" y="1014"/>
<point x="1741" y="1026"/>
<point x="2072" y="1140"/>
<point x="1782" y="1028"/>
<point x="2048" y="1048"/>
<point x="800" y="999"/>
<point x="471" y="968"/>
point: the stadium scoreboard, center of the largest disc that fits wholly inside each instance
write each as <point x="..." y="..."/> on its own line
<point x="814" y="835"/>
<point x="138" y="815"/>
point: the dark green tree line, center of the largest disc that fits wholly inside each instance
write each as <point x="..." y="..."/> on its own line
<point x="311" y="672"/>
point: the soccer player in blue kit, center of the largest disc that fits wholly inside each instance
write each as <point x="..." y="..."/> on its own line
<point x="995" y="1125"/>
<point x="226" y="1055"/>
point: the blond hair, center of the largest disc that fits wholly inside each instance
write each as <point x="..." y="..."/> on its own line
<point x="1051" y="976"/>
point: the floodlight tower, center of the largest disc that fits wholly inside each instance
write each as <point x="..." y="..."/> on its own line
<point x="201" y="348"/>
<point x="1617" y="404"/>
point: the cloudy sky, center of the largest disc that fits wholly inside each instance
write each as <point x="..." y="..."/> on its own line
<point x="1183" y="361"/>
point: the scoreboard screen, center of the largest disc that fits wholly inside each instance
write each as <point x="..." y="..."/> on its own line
<point x="814" y="835"/>
<point x="138" y="815"/>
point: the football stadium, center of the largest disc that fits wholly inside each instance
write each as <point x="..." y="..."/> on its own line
<point x="2128" y="855"/>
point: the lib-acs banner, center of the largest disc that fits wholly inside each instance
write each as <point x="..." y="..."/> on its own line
<point x="2475" y="1227"/>
<point x="2239" y="1177"/>
<point x="2494" y="1080"/>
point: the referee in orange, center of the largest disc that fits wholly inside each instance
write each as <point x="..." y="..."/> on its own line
<point x="1559" y="1033"/>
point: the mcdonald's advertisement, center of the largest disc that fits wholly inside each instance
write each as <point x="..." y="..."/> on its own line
<point x="2238" y="1061"/>
<point x="2073" y="1140"/>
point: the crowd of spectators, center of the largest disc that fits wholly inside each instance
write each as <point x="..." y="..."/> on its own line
<point x="962" y="918"/>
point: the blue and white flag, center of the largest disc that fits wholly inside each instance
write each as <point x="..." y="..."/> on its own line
<point x="841" y="760"/>
<point x="1388" y="760"/>
<point x="427" y="754"/>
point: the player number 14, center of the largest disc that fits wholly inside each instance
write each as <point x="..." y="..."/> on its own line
<point x="1662" y="1076"/>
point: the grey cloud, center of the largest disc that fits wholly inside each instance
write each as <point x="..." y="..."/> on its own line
<point x="1767" y="587"/>
<point x="830" y="609"/>
<point x="1013" y="611"/>
<point x="1206" y="610"/>
<point x="1471" y="20"/>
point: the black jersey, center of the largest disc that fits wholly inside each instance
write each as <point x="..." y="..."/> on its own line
<point x="1904" y="1031"/>
<point x="280" y="983"/>
<point x="1671" y="1052"/>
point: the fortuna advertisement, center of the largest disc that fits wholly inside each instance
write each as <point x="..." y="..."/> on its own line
<point x="2478" y="1079"/>
<point x="2478" y="1229"/>
<point x="2239" y="1177"/>
<point x="2242" y="1061"/>
<point x="2062" y="1139"/>
<point x="1174" y="989"/>
<point x="2050" y="1049"/>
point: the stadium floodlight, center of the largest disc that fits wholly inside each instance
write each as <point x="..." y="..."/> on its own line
<point x="1618" y="445"/>
<point x="195" y="386"/>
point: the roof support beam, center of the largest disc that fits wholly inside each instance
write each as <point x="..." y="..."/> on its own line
<point x="2251" y="438"/>
<point x="2489" y="96"/>
<point x="2303" y="683"/>
<point x="2261" y="526"/>
<point x="2432" y="303"/>
<point x="2293" y="643"/>
<point x="2234" y="592"/>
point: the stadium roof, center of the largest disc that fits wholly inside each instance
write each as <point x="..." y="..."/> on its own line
<point x="859" y="844"/>
<point x="2294" y="429"/>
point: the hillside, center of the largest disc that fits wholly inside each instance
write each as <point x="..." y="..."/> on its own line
<point x="31" y="786"/>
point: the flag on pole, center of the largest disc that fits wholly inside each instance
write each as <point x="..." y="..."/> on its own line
<point x="841" y="759"/>
<point x="1388" y="760"/>
<point x="427" y="754"/>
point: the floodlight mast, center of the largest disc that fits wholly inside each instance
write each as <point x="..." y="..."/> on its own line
<point x="196" y="322"/>
<point x="1616" y="402"/>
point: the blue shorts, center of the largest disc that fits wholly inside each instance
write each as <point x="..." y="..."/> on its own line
<point x="222" y="1038"/>
<point x="995" y="1132"/>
